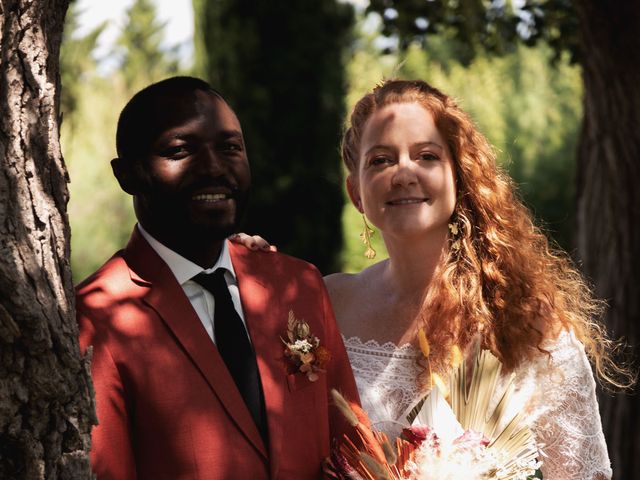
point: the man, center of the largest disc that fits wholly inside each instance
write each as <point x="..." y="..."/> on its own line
<point x="188" y="331"/>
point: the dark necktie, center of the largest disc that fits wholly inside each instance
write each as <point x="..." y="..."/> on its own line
<point x="235" y="349"/>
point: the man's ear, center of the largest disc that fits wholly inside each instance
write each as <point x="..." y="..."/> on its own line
<point x="354" y="193"/>
<point x="124" y="171"/>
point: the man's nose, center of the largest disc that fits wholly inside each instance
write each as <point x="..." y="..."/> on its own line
<point x="209" y="161"/>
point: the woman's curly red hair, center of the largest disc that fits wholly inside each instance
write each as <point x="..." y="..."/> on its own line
<point x="504" y="282"/>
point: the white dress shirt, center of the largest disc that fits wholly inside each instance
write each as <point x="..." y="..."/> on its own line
<point x="184" y="270"/>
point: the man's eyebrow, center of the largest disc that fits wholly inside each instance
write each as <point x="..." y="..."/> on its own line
<point x="178" y="133"/>
<point x="231" y="134"/>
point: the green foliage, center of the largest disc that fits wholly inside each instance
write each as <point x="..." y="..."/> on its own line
<point x="280" y="65"/>
<point x="101" y="214"/>
<point x="352" y="257"/>
<point x="75" y="60"/>
<point x="142" y="60"/>
<point x="529" y="109"/>
<point x="494" y="26"/>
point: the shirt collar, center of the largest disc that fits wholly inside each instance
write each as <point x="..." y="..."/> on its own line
<point x="182" y="268"/>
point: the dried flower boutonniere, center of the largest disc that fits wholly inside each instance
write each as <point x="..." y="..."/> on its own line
<point x="303" y="349"/>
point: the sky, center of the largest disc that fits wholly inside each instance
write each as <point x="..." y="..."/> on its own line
<point x="177" y="13"/>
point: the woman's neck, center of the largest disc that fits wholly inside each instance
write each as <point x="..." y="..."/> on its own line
<point x="412" y="263"/>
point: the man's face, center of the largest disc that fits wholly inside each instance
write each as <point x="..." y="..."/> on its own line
<point x="195" y="176"/>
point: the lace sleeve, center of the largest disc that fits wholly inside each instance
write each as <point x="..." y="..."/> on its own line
<point x="564" y="413"/>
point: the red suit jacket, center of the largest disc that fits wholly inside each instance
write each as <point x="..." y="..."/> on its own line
<point x="167" y="406"/>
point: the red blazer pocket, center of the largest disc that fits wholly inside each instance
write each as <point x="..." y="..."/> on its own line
<point x="299" y="381"/>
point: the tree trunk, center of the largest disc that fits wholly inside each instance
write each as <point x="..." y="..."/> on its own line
<point x="46" y="408"/>
<point x="608" y="210"/>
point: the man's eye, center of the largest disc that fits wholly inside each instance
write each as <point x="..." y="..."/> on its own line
<point x="231" y="147"/>
<point x="177" y="151"/>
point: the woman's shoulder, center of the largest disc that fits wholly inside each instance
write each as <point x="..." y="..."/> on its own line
<point x="338" y="279"/>
<point x="560" y="356"/>
<point x="341" y="286"/>
<point x="351" y="296"/>
<point x="347" y="285"/>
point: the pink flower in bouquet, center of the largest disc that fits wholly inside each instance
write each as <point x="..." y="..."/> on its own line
<point x="472" y="438"/>
<point x="420" y="434"/>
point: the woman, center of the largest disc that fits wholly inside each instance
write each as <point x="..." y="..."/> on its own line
<point x="465" y="261"/>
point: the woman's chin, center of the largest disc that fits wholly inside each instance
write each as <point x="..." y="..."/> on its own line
<point x="415" y="230"/>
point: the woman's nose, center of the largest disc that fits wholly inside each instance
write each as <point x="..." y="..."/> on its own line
<point x="404" y="172"/>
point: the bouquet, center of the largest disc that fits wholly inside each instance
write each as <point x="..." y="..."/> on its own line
<point x="450" y="438"/>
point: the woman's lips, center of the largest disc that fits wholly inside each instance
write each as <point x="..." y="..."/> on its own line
<point x="407" y="201"/>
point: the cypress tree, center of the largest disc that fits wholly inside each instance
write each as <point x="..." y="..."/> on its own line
<point x="279" y="64"/>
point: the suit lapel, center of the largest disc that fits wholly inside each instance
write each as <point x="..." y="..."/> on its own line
<point x="167" y="298"/>
<point x="266" y="323"/>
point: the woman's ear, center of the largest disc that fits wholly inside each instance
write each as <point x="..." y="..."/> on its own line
<point x="353" y="190"/>
<point x="124" y="172"/>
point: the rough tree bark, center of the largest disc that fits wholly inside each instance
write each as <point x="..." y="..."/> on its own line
<point x="609" y="195"/>
<point x="46" y="409"/>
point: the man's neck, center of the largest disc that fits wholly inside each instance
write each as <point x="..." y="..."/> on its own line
<point x="199" y="249"/>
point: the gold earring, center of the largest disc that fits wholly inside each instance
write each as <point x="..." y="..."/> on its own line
<point x="455" y="227"/>
<point x="367" y="233"/>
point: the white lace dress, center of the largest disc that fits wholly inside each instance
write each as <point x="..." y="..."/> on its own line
<point x="558" y="394"/>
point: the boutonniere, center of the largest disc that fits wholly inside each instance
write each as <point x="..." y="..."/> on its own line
<point x="303" y="349"/>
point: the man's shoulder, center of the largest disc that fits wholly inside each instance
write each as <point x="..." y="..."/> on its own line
<point x="111" y="280"/>
<point x="271" y="263"/>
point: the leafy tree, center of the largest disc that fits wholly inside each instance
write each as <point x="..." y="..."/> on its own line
<point x="496" y="26"/>
<point x="603" y="37"/>
<point x="143" y="60"/>
<point x="46" y="408"/>
<point x="280" y="65"/>
<point x="76" y="60"/>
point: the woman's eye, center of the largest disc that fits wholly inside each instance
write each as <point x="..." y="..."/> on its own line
<point x="379" y="160"/>
<point x="428" y="156"/>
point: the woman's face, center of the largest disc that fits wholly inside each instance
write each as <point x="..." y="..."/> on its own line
<point x="405" y="180"/>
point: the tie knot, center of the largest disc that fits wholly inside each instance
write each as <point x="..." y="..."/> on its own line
<point x="212" y="281"/>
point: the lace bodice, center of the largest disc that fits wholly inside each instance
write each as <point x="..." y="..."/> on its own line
<point x="558" y="394"/>
<point x="386" y="379"/>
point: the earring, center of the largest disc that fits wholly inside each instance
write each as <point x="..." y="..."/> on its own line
<point x="455" y="228"/>
<point x="367" y="233"/>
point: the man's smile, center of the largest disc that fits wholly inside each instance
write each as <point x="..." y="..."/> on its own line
<point x="211" y="197"/>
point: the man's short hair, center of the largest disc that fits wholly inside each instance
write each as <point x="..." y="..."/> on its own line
<point x="134" y="132"/>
